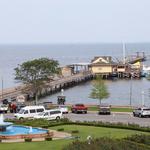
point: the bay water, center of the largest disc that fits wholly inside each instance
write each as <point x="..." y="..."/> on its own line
<point x="12" y="55"/>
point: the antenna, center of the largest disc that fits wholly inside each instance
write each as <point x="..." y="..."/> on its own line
<point x="124" y="53"/>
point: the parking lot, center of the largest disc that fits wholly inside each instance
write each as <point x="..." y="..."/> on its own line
<point x="114" y="118"/>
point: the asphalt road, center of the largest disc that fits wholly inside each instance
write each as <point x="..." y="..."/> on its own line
<point x="114" y="118"/>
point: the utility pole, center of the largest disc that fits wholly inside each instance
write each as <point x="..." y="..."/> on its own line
<point x="131" y="91"/>
<point x="143" y="98"/>
<point x="124" y="53"/>
<point x="2" y="86"/>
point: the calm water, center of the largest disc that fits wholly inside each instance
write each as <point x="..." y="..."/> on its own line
<point x="17" y="130"/>
<point x="11" y="55"/>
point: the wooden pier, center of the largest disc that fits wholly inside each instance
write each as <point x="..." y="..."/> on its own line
<point x="49" y="88"/>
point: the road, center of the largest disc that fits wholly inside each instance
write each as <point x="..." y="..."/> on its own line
<point x="113" y="118"/>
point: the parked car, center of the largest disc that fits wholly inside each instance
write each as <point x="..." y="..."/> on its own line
<point x="79" y="108"/>
<point x="3" y="108"/>
<point x="19" y="106"/>
<point x="63" y="109"/>
<point x="141" y="112"/>
<point x="53" y="114"/>
<point x="29" y="112"/>
<point x="104" y="109"/>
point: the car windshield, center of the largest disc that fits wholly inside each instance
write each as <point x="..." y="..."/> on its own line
<point x="80" y="105"/>
<point x="62" y="107"/>
<point x="21" y="111"/>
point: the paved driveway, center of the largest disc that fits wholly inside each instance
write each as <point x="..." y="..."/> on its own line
<point x="114" y="118"/>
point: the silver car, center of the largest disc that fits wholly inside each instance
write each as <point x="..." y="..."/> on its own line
<point x="141" y="112"/>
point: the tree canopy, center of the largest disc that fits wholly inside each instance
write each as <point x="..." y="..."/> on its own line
<point x="99" y="90"/>
<point x="36" y="72"/>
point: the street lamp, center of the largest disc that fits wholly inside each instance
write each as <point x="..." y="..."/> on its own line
<point x="131" y="90"/>
<point x="2" y="86"/>
<point x="143" y="98"/>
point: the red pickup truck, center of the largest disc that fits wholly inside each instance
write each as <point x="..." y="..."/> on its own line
<point x="79" y="108"/>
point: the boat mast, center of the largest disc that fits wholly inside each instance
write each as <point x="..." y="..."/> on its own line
<point x="124" y="53"/>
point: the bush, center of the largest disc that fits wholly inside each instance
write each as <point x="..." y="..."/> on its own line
<point x="28" y="139"/>
<point x="143" y="139"/>
<point x="75" y="131"/>
<point x="105" y="144"/>
<point x="60" y="129"/>
<point x="48" y="139"/>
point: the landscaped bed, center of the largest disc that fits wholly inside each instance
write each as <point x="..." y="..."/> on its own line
<point x="77" y="131"/>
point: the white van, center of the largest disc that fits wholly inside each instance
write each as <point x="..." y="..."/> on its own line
<point x="53" y="114"/>
<point x="29" y="112"/>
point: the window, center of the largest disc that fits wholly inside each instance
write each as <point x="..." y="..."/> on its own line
<point x="55" y="112"/>
<point x="32" y="111"/>
<point x="40" y="110"/>
<point x="146" y="109"/>
<point x="26" y="112"/>
<point x="46" y="114"/>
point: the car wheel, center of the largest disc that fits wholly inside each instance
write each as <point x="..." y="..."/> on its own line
<point x="6" y="112"/>
<point x="76" y="111"/>
<point x="21" y="118"/>
<point x="85" y="112"/>
<point x="134" y="114"/>
<point x="57" y="118"/>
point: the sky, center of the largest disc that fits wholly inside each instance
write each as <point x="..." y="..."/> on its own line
<point x="74" y="21"/>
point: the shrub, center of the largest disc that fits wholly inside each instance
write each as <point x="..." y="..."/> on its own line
<point x="28" y="139"/>
<point x="48" y="139"/>
<point x="75" y="131"/>
<point x="60" y="129"/>
<point x="143" y="139"/>
<point x="105" y="144"/>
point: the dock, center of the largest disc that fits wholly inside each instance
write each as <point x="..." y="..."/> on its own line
<point x="50" y="87"/>
<point x="77" y="73"/>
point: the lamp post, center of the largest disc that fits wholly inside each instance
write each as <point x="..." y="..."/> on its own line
<point x="143" y="98"/>
<point x="2" y="86"/>
<point x="131" y="91"/>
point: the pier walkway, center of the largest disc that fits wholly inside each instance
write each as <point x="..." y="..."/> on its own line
<point x="49" y="87"/>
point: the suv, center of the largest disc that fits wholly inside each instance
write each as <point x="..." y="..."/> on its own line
<point x="3" y="108"/>
<point x="53" y="114"/>
<point x="141" y="112"/>
<point x="78" y="108"/>
<point x="63" y="109"/>
<point x="104" y="109"/>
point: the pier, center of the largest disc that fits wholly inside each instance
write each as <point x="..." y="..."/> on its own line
<point x="50" y="87"/>
<point x="77" y="73"/>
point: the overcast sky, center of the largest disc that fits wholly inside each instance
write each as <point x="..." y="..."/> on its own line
<point x="74" y="21"/>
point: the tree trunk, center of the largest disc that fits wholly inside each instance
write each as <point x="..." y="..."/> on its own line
<point x="99" y="101"/>
<point x="36" y="98"/>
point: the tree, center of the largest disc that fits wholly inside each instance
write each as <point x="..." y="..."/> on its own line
<point x="36" y="72"/>
<point x="99" y="90"/>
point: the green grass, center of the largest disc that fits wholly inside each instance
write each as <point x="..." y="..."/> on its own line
<point x="96" y="132"/>
<point x="113" y="109"/>
<point x="46" y="145"/>
<point x="84" y="131"/>
<point x="119" y="109"/>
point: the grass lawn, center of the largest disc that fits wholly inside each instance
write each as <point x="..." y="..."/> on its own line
<point x="96" y="132"/>
<point x="45" y="145"/>
<point x="84" y="131"/>
<point x="113" y="109"/>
